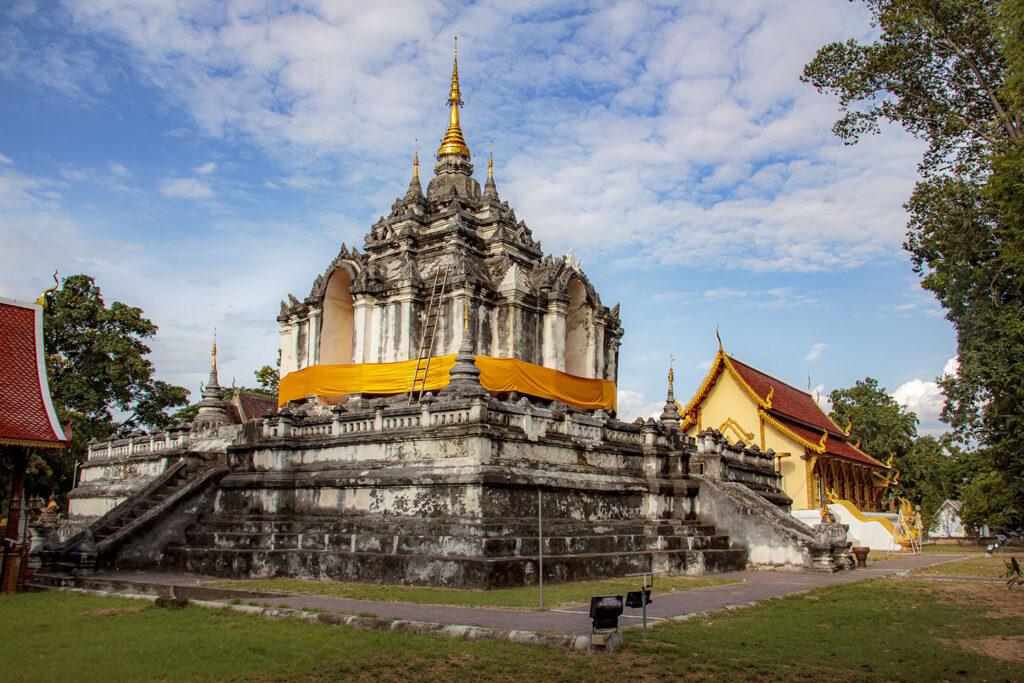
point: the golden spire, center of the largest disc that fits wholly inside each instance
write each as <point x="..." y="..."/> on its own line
<point x="453" y="142"/>
<point x="213" y="361"/>
<point x="465" y="316"/>
<point x="490" y="162"/>
<point x="671" y="373"/>
<point x="416" y="160"/>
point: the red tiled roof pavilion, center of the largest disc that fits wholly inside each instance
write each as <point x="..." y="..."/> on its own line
<point x="27" y="417"/>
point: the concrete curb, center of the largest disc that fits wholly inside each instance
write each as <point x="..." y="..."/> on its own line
<point x="557" y="641"/>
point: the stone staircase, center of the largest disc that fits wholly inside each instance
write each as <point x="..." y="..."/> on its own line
<point x="103" y="541"/>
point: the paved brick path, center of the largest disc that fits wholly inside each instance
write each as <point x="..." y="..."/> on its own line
<point x="752" y="586"/>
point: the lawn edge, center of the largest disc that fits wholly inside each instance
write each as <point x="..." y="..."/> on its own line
<point x="557" y="641"/>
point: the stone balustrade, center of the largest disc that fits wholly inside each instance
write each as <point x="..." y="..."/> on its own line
<point x="144" y="444"/>
<point x="536" y="422"/>
<point x="738" y="462"/>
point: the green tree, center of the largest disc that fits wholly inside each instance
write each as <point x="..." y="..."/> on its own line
<point x="881" y="425"/>
<point x="100" y="377"/>
<point x="268" y="378"/>
<point x="930" y="472"/>
<point x="951" y="72"/>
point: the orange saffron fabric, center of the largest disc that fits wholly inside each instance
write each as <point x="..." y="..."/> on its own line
<point x="496" y="374"/>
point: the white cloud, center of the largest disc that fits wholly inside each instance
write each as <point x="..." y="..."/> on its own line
<point x="925" y="398"/>
<point x="709" y="154"/>
<point x="4" y="159"/>
<point x="770" y="299"/>
<point x="634" y="404"/>
<point x="63" y="63"/>
<point x="815" y="352"/>
<point x="821" y="398"/>
<point x="206" y="168"/>
<point x="185" y="188"/>
<point x="114" y="180"/>
<point x="118" y="170"/>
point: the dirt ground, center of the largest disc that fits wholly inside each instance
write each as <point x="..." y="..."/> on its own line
<point x="998" y="603"/>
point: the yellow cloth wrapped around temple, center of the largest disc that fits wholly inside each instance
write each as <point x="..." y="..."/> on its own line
<point x="496" y="374"/>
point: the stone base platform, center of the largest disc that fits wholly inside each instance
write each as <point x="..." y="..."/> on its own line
<point x="449" y="554"/>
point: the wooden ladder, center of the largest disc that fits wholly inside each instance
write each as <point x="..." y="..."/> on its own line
<point x="419" y="378"/>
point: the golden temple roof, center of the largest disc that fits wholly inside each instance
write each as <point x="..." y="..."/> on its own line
<point x="453" y="142"/>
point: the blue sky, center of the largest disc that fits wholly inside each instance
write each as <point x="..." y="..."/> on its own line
<point x="202" y="160"/>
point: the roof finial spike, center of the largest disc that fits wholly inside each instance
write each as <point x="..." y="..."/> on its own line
<point x="670" y="415"/>
<point x="490" y="190"/>
<point x="719" y="339"/>
<point x="416" y="160"/>
<point x="213" y="359"/>
<point x="455" y="95"/>
<point x="454" y="142"/>
<point x="42" y="297"/>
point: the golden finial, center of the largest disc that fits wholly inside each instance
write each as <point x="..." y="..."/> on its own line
<point x="213" y="362"/>
<point x="465" y="317"/>
<point x="719" y="339"/>
<point x="490" y="162"/>
<point x="416" y="160"/>
<point x="671" y="372"/>
<point x="453" y="142"/>
<point x="42" y="297"/>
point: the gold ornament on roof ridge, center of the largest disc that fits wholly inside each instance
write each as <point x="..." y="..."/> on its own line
<point x="453" y="142"/>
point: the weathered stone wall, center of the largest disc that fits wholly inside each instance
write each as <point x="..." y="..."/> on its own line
<point x="773" y="538"/>
<point x="740" y="463"/>
<point x="444" y="493"/>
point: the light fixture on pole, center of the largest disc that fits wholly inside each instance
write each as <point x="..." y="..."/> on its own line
<point x="540" y="477"/>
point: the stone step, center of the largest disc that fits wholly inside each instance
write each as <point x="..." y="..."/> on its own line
<point x="449" y="544"/>
<point x="48" y="580"/>
<point x="418" y="526"/>
<point x="386" y="568"/>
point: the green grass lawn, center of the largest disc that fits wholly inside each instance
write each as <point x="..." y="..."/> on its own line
<point x="982" y="567"/>
<point x="880" y="629"/>
<point x="952" y="549"/>
<point x="556" y="595"/>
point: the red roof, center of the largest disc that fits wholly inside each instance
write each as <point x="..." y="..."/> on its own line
<point x="787" y="401"/>
<point x="799" y="412"/>
<point x="834" y="445"/>
<point x="254" y="407"/>
<point x="27" y="417"/>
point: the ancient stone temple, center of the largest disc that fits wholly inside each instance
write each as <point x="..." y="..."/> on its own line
<point x="466" y="245"/>
<point x="437" y="388"/>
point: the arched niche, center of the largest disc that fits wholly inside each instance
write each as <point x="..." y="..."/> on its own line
<point x="336" y="328"/>
<point x="578" y="323"/>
